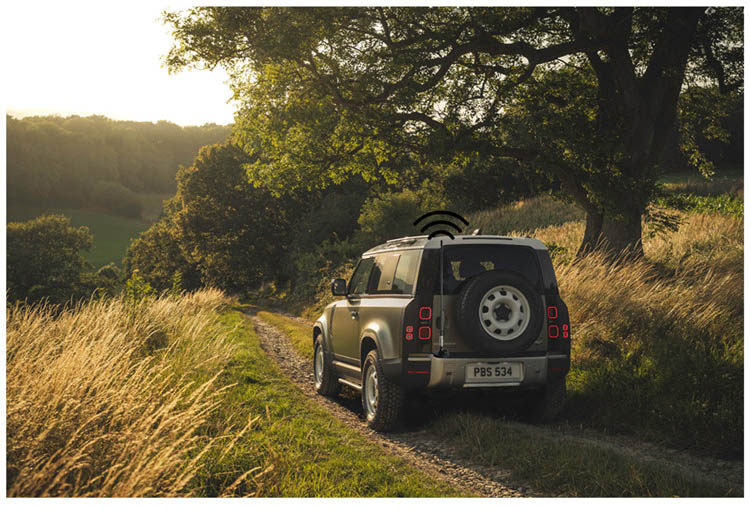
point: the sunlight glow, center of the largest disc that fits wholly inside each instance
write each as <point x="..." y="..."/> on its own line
<point x="106" y="59"/>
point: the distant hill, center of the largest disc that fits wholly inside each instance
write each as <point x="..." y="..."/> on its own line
<point x="97" y="163"/>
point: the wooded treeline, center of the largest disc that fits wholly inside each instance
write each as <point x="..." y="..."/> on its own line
<point x="96" y="162"/>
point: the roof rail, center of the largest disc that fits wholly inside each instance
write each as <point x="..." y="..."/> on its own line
<point x="407" y="237"/>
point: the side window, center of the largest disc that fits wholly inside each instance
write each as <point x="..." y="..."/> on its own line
<point x="381" y="279"/>
<point x="358" y="283"/>
<point x="406" y="272"/>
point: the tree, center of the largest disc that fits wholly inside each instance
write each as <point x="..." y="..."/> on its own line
<point x="326" y="93"/>
<point x="219" y="230"/>
<point x="44" y="260"/>
<point x="157" y="256"/>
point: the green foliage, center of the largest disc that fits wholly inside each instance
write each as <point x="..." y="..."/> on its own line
<point x="219" y="230"/>
<point x="704" y="134"/>
<point x="391" y="215"/>
<point x="44" y="260"/>
<point x="116" y="198"/>
<point x="234" y="232"/>
<point x="329" y="93"/>
<point x="720" y="204"/>
<point x="137" y="289"/>
<point x="157" y="256"/>
<point x="112" y="234"/>
<point x="95" y="162"/>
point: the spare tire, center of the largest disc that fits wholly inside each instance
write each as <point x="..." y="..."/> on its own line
<point x="499" y="312"/>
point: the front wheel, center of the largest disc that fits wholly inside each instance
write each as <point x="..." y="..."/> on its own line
<point x="381" y="399"/>
<point x="325" y="379"/>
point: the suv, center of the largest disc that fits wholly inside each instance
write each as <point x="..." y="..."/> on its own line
<point x="466" y="312"/>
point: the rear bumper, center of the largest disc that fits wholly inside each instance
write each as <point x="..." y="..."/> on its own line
<point x="451" y="372"/>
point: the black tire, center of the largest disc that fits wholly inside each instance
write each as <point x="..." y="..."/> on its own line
<point x="389" y="399"/>
<point x="549" y="402"/>
<point x="326" y="382"/>
<point x="468" y="308"/>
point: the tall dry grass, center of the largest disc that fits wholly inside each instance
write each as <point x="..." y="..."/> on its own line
<point x="658" y="342"/>
<point x="525" y="215"/>
<point x="110" y="398"/>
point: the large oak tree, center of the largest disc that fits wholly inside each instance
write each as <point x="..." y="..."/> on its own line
<point x="326" y="93"/>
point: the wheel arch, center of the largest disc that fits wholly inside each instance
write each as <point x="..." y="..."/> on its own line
<point x="366" y="345"/>
<point x="320" y="328"/>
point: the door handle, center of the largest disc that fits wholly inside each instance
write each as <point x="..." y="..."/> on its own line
<point x="355" y="315"/>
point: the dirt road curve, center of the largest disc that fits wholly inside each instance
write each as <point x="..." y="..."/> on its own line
<point x="415" y="447"/>
<point x="436" y="456"/>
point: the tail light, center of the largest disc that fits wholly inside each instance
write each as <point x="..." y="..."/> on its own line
<point x="557" y="324"/>
<point x="419" y="319"/>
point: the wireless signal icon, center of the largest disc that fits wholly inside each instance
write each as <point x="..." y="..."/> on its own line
<point x="441" y="226"/>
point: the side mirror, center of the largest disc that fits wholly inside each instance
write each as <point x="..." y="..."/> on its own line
<point x="338" y="287"/>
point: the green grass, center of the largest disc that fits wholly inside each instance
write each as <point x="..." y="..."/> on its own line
<point x="301" y="450"/>
<point x="563" y="467"/>
<point x="300" y="334"/>
<point x="112" y="234"/>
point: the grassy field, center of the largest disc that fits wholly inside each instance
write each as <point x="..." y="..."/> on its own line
<point x="112" y="234"/>
<point x="173" y="397"/>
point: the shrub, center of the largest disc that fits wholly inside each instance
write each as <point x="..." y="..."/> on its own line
<point x="44" y="259"/>
<point x="157" y="256"/>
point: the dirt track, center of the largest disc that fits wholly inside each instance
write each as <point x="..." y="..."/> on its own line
<point x="438" y="458"/>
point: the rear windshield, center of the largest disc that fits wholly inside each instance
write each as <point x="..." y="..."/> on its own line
<point x="464" y="262"/>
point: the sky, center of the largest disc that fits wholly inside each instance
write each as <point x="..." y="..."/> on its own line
<point x="103" y="58"/>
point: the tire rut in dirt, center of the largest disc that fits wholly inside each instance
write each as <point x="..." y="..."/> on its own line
<point x="431" y="455"/>
<point x="429" y="406"/>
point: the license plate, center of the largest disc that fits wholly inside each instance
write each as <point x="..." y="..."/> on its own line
<point x="495" y="372"/>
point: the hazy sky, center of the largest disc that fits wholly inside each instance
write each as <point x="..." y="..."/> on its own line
<point x="102" y="58"/>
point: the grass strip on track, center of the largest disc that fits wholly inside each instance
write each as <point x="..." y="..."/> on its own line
<point x="303" y="451"/>
<point x="565" y="467"/>
<point x="299" y="333"/>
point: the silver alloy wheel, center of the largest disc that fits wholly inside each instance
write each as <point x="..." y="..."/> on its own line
<point x="318" y="365"/>
<point x="504" y="313"/>
<point x="371" y="390"/>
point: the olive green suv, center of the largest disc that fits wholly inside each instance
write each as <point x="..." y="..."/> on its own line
<point x="467" y="312"/>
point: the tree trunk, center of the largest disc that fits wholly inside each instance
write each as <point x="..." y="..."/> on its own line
<point x="621" y="235"/>
<point x="592" y="235"/>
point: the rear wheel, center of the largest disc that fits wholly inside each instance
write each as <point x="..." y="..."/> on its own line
<point x="381" y="399"/>
<point x="326" y="382"/>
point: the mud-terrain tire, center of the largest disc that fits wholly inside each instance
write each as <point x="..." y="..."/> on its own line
<point x="325" y="379"/>
<point x="516" y="298"/>
<point x="549" y="402"/>
<point x="382" y="414"/>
